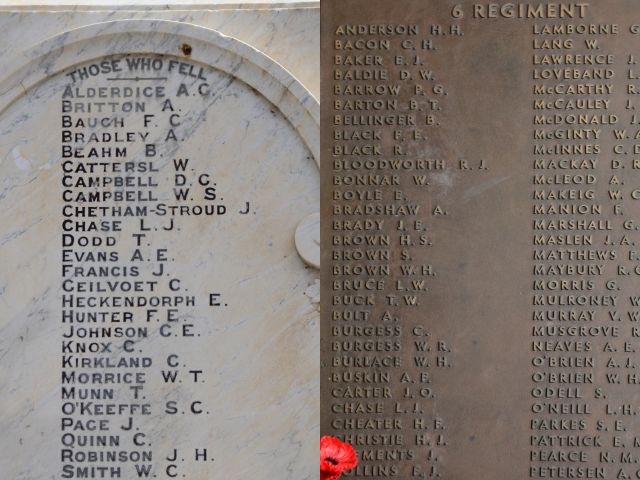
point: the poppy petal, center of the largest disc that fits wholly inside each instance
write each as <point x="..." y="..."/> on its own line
<point x="335" y="458"/>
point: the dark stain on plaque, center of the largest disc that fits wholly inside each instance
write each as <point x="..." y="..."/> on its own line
<point x="186" y="49"/>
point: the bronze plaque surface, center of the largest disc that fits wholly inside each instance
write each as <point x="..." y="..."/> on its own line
<point x="480" y="238"/>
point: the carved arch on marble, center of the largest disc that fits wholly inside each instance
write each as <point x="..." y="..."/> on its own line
<point x="209" y="47"/>
<point x="164" y="37"/>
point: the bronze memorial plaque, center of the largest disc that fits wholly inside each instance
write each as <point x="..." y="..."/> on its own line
<point x="481" y="238"/>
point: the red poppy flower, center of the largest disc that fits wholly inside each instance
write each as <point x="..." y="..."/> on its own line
<point x="335" y="458"/>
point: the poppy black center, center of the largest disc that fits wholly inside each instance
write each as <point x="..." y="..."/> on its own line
<point x="332" y="461"/>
